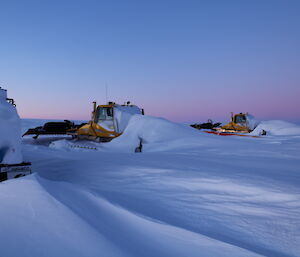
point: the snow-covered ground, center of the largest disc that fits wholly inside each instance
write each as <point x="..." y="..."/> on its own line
<point x="187" y="194"/>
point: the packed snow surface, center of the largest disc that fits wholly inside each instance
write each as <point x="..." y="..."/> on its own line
<point x="187" y="194"/>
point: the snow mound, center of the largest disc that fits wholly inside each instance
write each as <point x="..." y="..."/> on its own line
<point x="10" y="132"/>
<point x="277" y="128"/>
<point x="157" y="134"/>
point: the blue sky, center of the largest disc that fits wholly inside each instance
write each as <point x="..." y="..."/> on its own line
<point x="183" y="60"/>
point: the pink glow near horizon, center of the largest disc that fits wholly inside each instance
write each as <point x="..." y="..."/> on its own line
<point x="177" y="111"/>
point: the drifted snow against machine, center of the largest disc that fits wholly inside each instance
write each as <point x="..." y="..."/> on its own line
<point x="11" y="160"/>
<point x="240" y="123"/>
<point x="108" y="122"/>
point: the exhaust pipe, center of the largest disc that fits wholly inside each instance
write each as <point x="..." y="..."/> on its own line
<point x="94" y="109"/>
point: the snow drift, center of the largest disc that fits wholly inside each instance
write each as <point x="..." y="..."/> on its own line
<point x="10" y="132"/>
<point x="277" y="128"/>
<point x="203" y="195"/>
<point x="151" y="131"/>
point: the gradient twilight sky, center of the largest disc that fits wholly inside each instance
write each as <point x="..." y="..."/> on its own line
<point x="183" y="60"/>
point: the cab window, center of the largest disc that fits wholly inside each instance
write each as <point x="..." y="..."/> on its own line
<point x="240" y="119"/>
<point x="105" y="113"/>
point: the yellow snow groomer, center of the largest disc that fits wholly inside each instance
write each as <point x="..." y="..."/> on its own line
<point x="240" y="123"/>
<point x="108" y="121"/>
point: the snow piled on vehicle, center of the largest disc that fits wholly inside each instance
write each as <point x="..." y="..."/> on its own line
<point x="10" y="132"/>
<point x="155" y="134"/>
<point x="252" y="122"/>
<point x="123" y="115"/>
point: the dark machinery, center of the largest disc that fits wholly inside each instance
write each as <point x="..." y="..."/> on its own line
<point x="207" y="125"/>
<point x="9" y="171"/>
<point x="53" y="128"/>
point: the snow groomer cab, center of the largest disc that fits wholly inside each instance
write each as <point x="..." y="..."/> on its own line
<point x="108" y="121"/>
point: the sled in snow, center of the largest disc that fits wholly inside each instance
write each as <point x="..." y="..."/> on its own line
<point x="52" y="128"/>
<point x="228" y="134"/>
<point x="207" y="125"/>
<point x="9" y="171"/>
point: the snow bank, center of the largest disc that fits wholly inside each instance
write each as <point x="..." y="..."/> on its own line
<point x="10" y="132"/>
<point x="156" y="134"/>
<point x="277" y="128"/>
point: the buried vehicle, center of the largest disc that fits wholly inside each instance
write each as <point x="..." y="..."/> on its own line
<point x="240" y="123"/>
<point x="11" y="160"/>
<point x="108" y="122"/>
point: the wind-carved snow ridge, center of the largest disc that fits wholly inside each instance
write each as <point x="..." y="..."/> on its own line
<point x="144" y="236"/>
